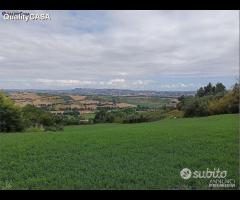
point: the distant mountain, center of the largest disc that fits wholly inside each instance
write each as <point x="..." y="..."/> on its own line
<point x="125" y="92"/>
<point x="112" y="92"/>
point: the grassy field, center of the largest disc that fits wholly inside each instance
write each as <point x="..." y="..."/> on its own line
<point x="121" y="156"/>
<point x="151" y="102"/>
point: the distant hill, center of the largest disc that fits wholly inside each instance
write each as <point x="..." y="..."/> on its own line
<point x="112" y="92"/>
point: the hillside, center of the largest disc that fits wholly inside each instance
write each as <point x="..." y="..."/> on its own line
<point x="121" y="156"/>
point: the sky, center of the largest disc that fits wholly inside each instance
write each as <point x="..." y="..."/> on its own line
<point x="140" y="50"/>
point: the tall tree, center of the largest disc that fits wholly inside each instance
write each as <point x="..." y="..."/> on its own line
<point x="209" y="89"/>
<point x="220" y="88"/>
<point x="200" y="92"/>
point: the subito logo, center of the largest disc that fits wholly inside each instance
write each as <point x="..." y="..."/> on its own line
<point x="186" y="173"/>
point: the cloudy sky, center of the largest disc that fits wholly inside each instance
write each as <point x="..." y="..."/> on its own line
<point x="151" y="50"/>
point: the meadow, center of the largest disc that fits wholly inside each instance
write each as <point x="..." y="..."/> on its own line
<point x="150" y="101"/>
<point x="121" y="156"/>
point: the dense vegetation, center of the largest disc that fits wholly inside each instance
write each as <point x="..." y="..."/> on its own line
<point x="127" y="116"/>
<point x="10" y="115"/>
<point x="121" y="156"/>
<point x="14" y="118"/>
<point x="211" y="90"/>
<point x="211" y="100"/>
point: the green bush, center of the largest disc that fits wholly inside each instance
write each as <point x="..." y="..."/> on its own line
<point x="136" y="118"/>
<point x="10" y="115"/>
<point x="216" y="100"/>
<point x="36" y="117"/>
<point x="196" y="107"/>
<point x="34" y="129"/>
<point x="229" y="103"/>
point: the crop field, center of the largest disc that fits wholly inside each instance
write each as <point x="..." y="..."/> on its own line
<point x="121" y="156"/>
<point x="152" y="102"/>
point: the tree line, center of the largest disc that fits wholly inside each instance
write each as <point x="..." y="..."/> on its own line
<point x="211" y="100"/>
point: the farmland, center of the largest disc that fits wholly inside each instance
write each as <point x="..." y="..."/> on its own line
<point x="121" y="156"/>
<point x="145" y="101"/>
<point x="86" y="107"/>
<point x="63" y="102"/>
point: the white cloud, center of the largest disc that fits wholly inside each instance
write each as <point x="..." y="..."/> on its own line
<point x="122" y="73"/>
<point x="116" y="81"/>
<point x="92" y="48"/>
<point x="177" y="86"/>
<point x="65" y="82"/>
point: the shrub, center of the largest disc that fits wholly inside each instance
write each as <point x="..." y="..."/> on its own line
<point x="229" y="103"/>
<point x="35" y="129"/>
<point x="196" y="107"/>
<point x="36" y="117"/>
<point x="100" y="116"/>
<point x="211" y="100"/>
<point x="174" y="113"/>
<point x="10" y="115"/>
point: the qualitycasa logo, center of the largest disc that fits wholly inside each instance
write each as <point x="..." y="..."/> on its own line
<point x="215" y="173"/>
<point x="25" y="16"/>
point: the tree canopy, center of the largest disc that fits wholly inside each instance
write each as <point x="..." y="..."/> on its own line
<point x="10" y="115"/>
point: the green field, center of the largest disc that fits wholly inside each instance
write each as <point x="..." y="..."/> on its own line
<point x="151" y="102"/>
<point x="121" y="156"/>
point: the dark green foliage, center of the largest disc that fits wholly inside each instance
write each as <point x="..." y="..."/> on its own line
<point x="71" y="112"/>
<point x="136" y="118"/>
<point x="211" y="90"/>
<point x="127" y="116"/>
<point x="183" y="102"/>
<point x="143" y="108"/>
<point x="70" y="119"/>
<point x="211" y="100"/>
<point x="10" y="115"/>
<point x="14" y="119"/>
<point x="200" y="92"/>
<point x="103" y="116"/>
<point x="196" y="107"/>
<point x="220" y="88"/>
<point x="66" y="98"/>
<point x="100" y="116"/>
<point x="229" y="103"/>
<point x="236" y="98"/>
<point x="36" y="117"/>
